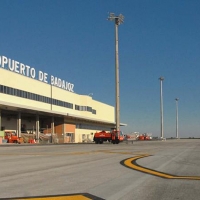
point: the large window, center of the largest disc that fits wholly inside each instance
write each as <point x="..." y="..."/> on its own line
<point x="92" y="127"/>
<point x="32" y="96"/>
<point x="85" y="108"/>
<point x="36" y="97"/>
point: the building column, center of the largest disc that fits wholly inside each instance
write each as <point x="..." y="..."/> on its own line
<point x="52" y="128"/>
<point x="37" y="128"/>
<point x="0" y="120"/>
<point x="19" y="124"/>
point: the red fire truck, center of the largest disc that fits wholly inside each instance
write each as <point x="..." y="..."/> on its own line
<point x="114" y="136"/>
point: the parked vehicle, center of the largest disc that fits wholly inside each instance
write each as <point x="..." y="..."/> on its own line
<point x="12" y="137"/>
<point x="145" y="136"/>
<point x="114" y="136"/>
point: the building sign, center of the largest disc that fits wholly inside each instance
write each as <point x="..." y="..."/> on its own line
<point x="28" y="71"/>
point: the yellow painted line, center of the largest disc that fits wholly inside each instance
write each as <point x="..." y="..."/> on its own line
<point x="131" y="163"/>
<point x="67" y="153"/>
<point x="77" y="196"/>
<point x="121" y="152"/>
<point x="74" y="197"/>
<point x="44" y="154"/>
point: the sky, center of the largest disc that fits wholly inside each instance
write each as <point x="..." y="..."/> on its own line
<point x="73" y="40"/>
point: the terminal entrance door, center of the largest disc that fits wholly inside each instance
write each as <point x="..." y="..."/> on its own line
<point x="69" y="137"/>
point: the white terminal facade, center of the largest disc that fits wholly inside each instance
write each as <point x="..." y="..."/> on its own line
<point x="34" y="102"/>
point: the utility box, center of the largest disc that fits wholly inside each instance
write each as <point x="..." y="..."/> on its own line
<point x="2" y="134"/>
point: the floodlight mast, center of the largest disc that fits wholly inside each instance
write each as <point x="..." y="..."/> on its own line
<point x="176" y="99"/>
<point x="118" y="20"/>
<point x="161" y="107"/>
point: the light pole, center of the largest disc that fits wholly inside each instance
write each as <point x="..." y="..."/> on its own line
<point x="177" y="117"/>
<point x="118" y="20"/>
<point x="161" y="105"/>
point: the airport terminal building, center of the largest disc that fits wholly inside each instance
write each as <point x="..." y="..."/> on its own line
<point x="35" y="102"/>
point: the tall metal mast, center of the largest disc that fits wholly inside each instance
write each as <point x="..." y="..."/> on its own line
<point x="118" y="20"/>
<point x="177" y="117"/>
<point x="161" y="106"/>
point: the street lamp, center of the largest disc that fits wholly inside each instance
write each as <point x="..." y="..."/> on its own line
<point x="177" y="117"/>
<point x="161" y="105"/>
<point x="118" y="20"/>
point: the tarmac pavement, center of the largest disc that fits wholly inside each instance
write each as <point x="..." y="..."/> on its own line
<point x="105" y="171"/>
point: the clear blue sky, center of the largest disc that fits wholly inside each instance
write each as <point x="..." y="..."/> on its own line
<point x="73" y="40"/>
